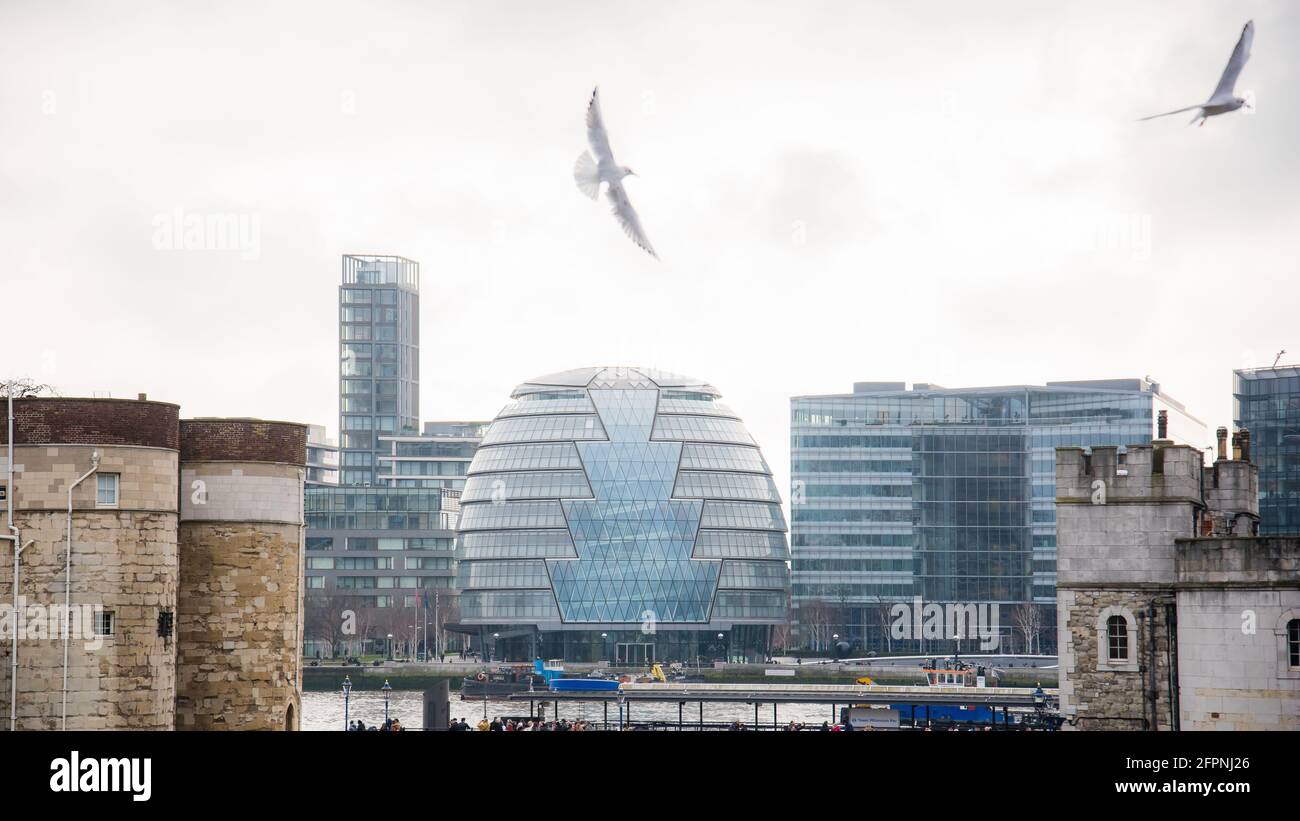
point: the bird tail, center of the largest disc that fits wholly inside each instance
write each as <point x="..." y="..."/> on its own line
<point x="1175" y="111"/>
<point x="586" y="175"/>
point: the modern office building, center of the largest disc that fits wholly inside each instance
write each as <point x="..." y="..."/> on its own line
<point x="322" y="457"/>
<point x="379" y="360"/>
<point x="1266" y="402"/>
<point x="621" y="514"/>
<point x="381" y="545"/>
<point x="437" y="458"/>
<point x="946" y="495"/>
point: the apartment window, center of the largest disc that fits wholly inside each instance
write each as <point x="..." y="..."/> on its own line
<point x="104" y="623"/>
<point x="106" y="489"/>
<point x="315" y="582"/>
<point x="1117" y="638"/>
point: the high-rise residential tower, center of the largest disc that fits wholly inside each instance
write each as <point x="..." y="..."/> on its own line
<point x="947" y="495"/>
<point x="1266" y="402"/>
<point x="379" y="360"/>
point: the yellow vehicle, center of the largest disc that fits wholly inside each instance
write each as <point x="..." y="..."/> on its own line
<point x="863" y="680"/>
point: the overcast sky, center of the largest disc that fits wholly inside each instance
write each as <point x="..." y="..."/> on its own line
<point x="945" y="192"/>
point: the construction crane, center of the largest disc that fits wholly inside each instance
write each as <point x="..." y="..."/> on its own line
<point x="1278" y="358"/>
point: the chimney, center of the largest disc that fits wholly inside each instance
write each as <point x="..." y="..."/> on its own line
<point x="1236" y="445"/>
<point x="1162" y="425"/>
<point x="1245" y="445"/>
<point x="142" y="397"/>
<point x="1222" y="435"/>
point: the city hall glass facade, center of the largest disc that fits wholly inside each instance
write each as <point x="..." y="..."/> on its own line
<point x="946" y="495"/>
<point x="1266" y="401"/>
<point x="621" y="514"/>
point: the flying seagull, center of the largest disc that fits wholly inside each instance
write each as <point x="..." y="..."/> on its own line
<point x="589" y="173"/>
<point x="1223" y="100"/>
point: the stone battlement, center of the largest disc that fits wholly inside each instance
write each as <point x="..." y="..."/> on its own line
<point x="1144" y="473"/>
<point x="1259" y="562"/>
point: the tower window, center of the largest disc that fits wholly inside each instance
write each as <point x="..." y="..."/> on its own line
<point x="106" y="489"/>
<point x="1117" y="638"/>
<point x="1293" y="643"/>
<point x="103" y="623"/>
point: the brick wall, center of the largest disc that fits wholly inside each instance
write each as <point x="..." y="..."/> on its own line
<point x="39" y="421"/>
<point x="242" y="440"/>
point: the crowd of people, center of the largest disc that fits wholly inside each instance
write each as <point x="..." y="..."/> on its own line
<point x="391" y="725"/>
<point x="522" y="725"/>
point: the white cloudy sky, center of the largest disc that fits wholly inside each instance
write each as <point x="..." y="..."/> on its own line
<point x="946" y="192"/>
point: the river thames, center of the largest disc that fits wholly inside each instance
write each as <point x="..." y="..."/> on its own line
<point x="324" y="711"/>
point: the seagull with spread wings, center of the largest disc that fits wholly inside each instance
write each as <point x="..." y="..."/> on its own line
<point x="589" y="173"/>
<point x="1223" y="99"/>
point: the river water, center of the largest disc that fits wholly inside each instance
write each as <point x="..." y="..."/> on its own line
<point x="324" y="711"/>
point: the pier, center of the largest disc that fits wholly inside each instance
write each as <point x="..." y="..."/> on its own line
<point x="917" y="700"/>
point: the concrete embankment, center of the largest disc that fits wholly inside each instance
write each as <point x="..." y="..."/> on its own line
<point x="408" y="676"/>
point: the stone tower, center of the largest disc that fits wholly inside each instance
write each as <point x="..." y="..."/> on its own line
<point x="1127" y="524"/>
<point x="121" y="659"/>
<point x="239" y="619"/>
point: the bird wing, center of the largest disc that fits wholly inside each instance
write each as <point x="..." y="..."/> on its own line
<point x="626" y="215"/>
<point x="596" y="134"/>
<point x="1240" y="54"/>
<point x="1167" y="113"/>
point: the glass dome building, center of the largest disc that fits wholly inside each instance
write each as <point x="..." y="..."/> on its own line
<point x="621" y="514"/>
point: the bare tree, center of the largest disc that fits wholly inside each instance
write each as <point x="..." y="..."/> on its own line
<point x="23" y="387"/>
<point x="323" y="620"/>
<point x="1028" y="619"/>
<point x="782" y="633"/>
<point x="883" y="611"/>
<point x="815" y="618"/>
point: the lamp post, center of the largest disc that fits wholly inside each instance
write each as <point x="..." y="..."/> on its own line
<point x="347" y="697"/>
<point x="390" y="646"/>
<point x="835" y="645"/>
<point x="721" y="643"/>
<point x="604" y="641"/>
<point x="387" y="688"/>
<point x="493" y="650"/>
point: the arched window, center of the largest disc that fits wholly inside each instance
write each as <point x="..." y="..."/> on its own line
<point x="1293" y="643"/>
<point x="1117" y="638"/>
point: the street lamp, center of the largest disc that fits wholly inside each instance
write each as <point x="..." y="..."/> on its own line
<point x="347" y="697"/>
<point x="387" y="688"/>
<point x="604" y="645"/>
<point x="493" y="651"/>
<point x="725" y="655"/>
<point x="390" y="646"/>
<point x="835" y="645"/>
